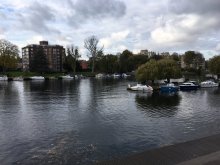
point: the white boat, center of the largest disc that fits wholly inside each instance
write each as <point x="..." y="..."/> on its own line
<point x="67" y="77"/>
<point x="124" y="75"/>
<point x="208" y="84"/>
<point x="140" y="87"/>
<point x="18" y="78"/>
<point x="188" y="86"/>
<point x="3" y="78"/>
<point x="100" y="75"/>
<point x="115" y="75"/>
<point x="37" y="78"/>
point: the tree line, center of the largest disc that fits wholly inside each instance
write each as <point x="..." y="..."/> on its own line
<point x="156" y="66"/>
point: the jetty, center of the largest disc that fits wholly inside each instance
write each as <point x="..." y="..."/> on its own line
<point x="204" y="151"/>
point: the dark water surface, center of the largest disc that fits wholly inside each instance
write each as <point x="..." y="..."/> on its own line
<point x="85" y="121"/>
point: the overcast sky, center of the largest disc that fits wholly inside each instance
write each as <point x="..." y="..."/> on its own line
<point x="163" y="25"/>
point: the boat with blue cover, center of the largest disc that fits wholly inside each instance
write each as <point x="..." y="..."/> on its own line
<point x="170" y="87"/>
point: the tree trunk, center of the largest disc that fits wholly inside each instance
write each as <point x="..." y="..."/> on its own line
<point x="93" y="64"/>
<point x="74" y="69"/>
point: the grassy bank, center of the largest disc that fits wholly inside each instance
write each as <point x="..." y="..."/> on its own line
<point x="46" y="75"/>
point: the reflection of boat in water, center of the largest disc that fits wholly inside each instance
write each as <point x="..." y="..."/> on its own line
<point x="140" y="87"/>
<point x="189" y="86"/>
<point x="169" y="88"/>
<point x="208" y="84"/>
<point x="158" y="104"/>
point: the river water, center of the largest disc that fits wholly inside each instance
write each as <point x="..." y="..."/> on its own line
<point x="87" y="121"/>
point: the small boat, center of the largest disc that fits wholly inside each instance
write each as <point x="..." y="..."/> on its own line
<point x="208" y="84"/>
<point x="140" y="87"/>
<point x="18" y="78"/>
<point x="170" y="87"/>
<point x="37" y="78"/>
<point x="3" y="78"/>
<point x="115" y="75"/>
<point x="99" y="76"/>
<point x="189" y="86"/>
<point x="124" y="75"/>
<point x="67" y="77"/>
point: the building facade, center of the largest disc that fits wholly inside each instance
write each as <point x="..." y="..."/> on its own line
<point x="55" y="55"/>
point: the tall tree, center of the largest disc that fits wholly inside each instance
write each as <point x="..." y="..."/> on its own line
<point x="123" y="61"/>
<point x="147" y="71"/>
<point x="135" y="61"/>
<point x="108" y="64"/>
<point x="91" y="44"/>
<point x="214" y="65"/>
<point x="39" y="62"/>
<point x="193" y="59"/>
<point x="73" y="51"/>
<point x="162" y="69"/>
<point x="168" y="68"/>
<point x="8" y="55"/>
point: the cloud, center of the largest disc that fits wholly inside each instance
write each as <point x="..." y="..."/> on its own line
<point x="37" y="17"/>
<point x="166" y="25"/>
<point x="202" y="7"/>
<point x="114" y="38"/>
<point x="218" y="47"/>
<point x="84" y="10"/>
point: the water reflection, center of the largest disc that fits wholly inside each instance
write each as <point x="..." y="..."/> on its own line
<point x="82" y="121"/>
<point x="158" y="104"/>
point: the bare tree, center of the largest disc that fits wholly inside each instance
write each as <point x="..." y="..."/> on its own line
<point x="73" y="51"/>
<point x="8" y="55"/>
<point x="91" y="44"/>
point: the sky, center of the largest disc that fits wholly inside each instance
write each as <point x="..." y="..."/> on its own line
<point x="160" y="26"/>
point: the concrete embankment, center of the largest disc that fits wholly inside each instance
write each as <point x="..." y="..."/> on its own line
<point x="204" y="151"/>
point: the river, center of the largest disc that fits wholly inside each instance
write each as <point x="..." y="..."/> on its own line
<point x="87" y="121"/>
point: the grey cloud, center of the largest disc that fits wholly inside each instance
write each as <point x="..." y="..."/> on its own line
<point x="36" y="18"/>
<point x="195" y="6"/>
<point x="84" y="10"/>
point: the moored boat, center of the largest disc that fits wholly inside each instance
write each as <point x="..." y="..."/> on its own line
<point x="208" y="84"/>
<point x="37" y="78"/>
<point x="3" y="78"/>
<point x="140" y="87"/>
<point x="18" y="78"/>
<point x="170" y="87"/>
<point x="67" y="77"/>
<point x="189" y="86"/>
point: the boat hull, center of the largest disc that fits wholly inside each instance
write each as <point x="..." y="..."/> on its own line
<point x="208" y="84"/>
<point x="186" y="88"/>
<point x="168" y="89"/>
<point x="139" y="87"/>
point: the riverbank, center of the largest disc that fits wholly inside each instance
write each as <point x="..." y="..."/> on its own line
<point x="27" y="75"/>
<point x="200" y="151"/>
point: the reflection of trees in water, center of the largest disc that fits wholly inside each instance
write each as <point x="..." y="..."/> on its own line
<point x="212" y="97"/>
<point x="216" y="91"/>
<point x="158" y="104"/>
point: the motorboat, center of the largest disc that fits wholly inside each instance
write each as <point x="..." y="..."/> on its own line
<point x="140" y="87"/>
<point x="124" y="75"/>
<point x="208" y="84"/>
<point x="170" y="87"/>
<point x="18" y="78"/>
<point x="99" y="76"/>
<point x="115" y="75"/>
<point x="3" y="78"/>
<point x="67" y="77"/>
<point x="189" y="86"/>
<point x="37" y="78"/>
